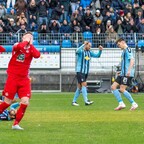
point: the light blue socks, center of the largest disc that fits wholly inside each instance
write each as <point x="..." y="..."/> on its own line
<point x="128" y="96"/>
<point x="117" y="95"/>
<point x="77" y="93"/>
<point x="84" y="93"/>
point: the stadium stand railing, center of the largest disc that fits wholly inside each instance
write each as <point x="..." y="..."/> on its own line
<point x="69" y="43"/>
<point x="74" y="40"/>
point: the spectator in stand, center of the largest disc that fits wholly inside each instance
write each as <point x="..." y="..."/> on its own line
<point x="136" y="7"/>
<point x="139" y="16"/>
<point x="87" y="21"/>
<point x="20" y="6"/>
<point x="117" y="5"/>
<point x="119" y="26"/>
<point x="43" y="12"/>
<point x="33" y="26"/>
<point x="43" y="31"/>
<point x="128" y="8"/>
<point x="108" y="24"/>
<point x="130" y="27"/>
<point x="98" y="24"/>
<point x="121" y="15"/>
<point x="77" y="37"/>
<point x="95" y="4"/>
<point x="2" y="11"/>
<point x="57" y="12"/>
<point x="11" y="15"/>
<point x="54" y="27"/>
<point x="11" y="2"/>
<point x="80" y="11"/>
<point x="74" y="5"/>
<point x="140" y="27"/>
<point x="107" y="17"/>
<point x="22" y="29"/>
<point x="65" y="30"/>
<point x="76" y="16"/>
<point x="98" y="16"/>
<point x="21" y="19"/>
<point x="32" y="12"/>
<point x="76" y="24"/>
<point x="52" y="5"/>
<point x="127" y="19"/>
<point x="66" y="5"/>
<point x="111" y="37"/>
<point x="43" y="28"/>
<point x="99" y="38"/>
<point x="11" y="27"/>
<point x="113" y="15"/>
<point x="105" y="5"/>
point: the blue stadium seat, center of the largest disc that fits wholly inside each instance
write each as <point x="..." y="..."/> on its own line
<point x="87" y="35"/>
<point x="55" y="42"/>
<point x="35" y="42"/>
<point x="140" y="43"/>
<point x="35" y="35"/>
<point x="66" y="43"/>
<point x="131" y="43"/>
<point x="43" y="42"/>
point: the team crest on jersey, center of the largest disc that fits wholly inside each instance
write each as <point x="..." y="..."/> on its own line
<point x="21" y="58"/>
<point x="87" y="58"/>
<point x="129" y="50"/>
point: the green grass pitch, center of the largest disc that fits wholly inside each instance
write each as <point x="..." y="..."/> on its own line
<point x="51" y="119"/>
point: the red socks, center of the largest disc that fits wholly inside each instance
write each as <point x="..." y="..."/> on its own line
<point x="20" y="113"/>
<point x="3" y="106"/>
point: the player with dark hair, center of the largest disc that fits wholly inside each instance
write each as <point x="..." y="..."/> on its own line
<point x="84" y="55"/>
<point x="124" y="77"/>
<point x="18" y="80"/>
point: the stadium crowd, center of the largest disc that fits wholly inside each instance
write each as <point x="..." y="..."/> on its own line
<point x="66" y="18"/>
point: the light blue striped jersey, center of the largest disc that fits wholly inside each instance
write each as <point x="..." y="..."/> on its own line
<point x="83" y="59"/>
<point x="126" y="56"/>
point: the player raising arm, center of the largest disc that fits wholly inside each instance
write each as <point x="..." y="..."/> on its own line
<point x="84" y="55"/>
<point x="18" y="76"/>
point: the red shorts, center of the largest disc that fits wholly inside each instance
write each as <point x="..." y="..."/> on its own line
<point x="19" y="85"/>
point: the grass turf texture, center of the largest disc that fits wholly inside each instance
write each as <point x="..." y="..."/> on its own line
<point x="50" y="119"/>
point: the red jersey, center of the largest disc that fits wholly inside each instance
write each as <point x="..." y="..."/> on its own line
<point x="20" y="61"/>
<point x="2" y="49"/>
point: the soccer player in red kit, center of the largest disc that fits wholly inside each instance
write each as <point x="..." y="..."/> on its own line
<point x="18" y="80"/>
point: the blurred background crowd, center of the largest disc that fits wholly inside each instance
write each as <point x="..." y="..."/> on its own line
<point x="106" y="19"/>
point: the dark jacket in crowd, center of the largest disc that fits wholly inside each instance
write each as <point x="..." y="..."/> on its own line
<point x="57" y="12"/>
<point x="65" y="3"/>
<point x="42" y="9"/>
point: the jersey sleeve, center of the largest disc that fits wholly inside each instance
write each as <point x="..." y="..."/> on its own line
<point x="35" y="53"/>
<point x="96" y="55"/>
<point x="80" y="49"/>
<point x="20" y="46"/>
<point x="129" y="54"/>
<point x="14" y="105"/>
<point x="2" y="49"/>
